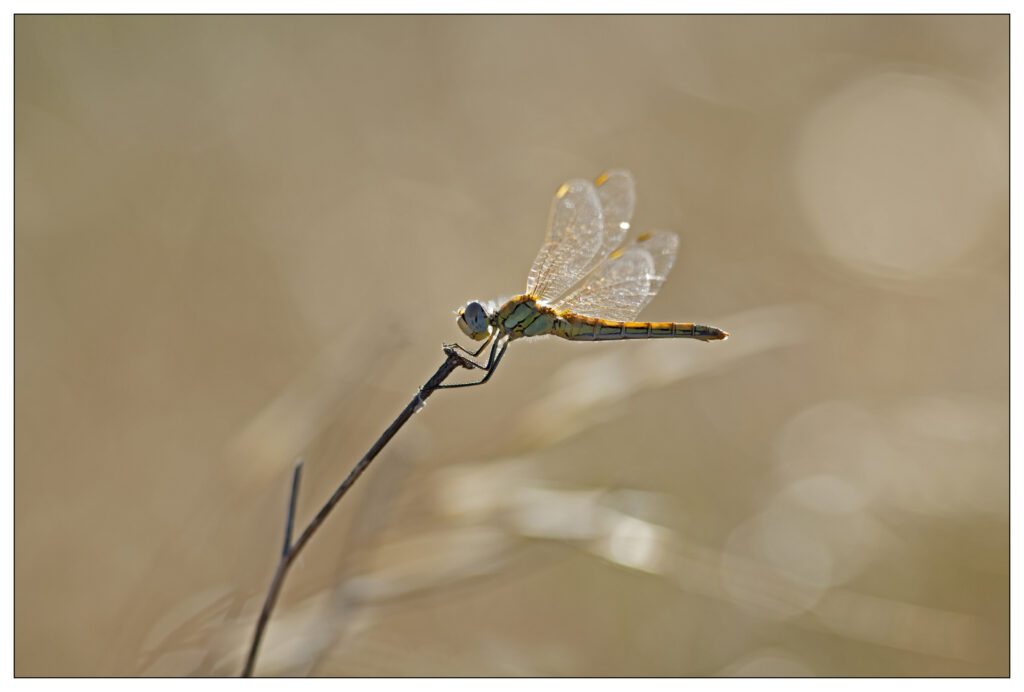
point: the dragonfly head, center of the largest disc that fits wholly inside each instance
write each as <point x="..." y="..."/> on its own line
<point x="474" y="321"/>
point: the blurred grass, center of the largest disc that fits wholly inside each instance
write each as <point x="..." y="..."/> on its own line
<point x="239" y="241"/>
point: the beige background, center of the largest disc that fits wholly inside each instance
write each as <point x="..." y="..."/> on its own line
<point x="240" y="240"/>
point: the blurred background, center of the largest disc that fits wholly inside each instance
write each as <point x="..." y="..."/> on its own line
<point x="240" y="241"/>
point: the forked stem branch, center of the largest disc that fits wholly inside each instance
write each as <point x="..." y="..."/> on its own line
<point x="453" y="362"/>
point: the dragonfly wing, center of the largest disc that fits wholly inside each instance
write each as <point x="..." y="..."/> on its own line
<point x="617" y="193"/>
<point x="620" y="287"/>
<point x="570" y="250"/>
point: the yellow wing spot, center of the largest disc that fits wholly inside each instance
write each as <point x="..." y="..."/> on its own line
<point x="617" y="254"/>
<point x="562" y="191"/>
<point x="601" y="179"/>
<point x="643" y="237"/>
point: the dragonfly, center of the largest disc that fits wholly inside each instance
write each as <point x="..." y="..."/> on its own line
<point x="588" y="282"/>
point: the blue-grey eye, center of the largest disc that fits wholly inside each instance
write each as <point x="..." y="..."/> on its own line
<point x="476" y="317"/>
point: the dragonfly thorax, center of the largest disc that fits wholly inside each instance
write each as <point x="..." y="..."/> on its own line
<point x="474" y="321"/>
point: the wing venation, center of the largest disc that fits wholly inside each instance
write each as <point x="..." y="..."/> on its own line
<point x="626" y="281"/>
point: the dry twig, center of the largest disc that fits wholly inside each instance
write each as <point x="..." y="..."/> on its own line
<point x="291" y="550"/>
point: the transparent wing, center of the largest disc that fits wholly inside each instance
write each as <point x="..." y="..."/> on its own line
<point x="620" y="287"/>
<point x="617" y="193"/>
<point x="576" y="243"/>
<point x="570" y="250"/>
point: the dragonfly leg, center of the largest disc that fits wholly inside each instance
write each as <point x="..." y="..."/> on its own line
<point x="475" y="353"/>
<point x="492" y="365"/>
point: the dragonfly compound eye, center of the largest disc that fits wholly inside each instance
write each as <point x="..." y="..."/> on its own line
<point x="473" y="321"/>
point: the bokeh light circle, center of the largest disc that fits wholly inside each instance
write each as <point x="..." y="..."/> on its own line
<point x="898" y="174"/>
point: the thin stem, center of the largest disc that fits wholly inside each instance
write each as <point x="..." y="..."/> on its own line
<point x="291" y="550"/>
<point x="292" y="501"/>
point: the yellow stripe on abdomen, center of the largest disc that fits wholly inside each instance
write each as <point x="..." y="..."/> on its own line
<point x="580" y="328"/>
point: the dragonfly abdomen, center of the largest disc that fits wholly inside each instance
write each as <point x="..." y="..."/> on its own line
<point x="580" y="328"/>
